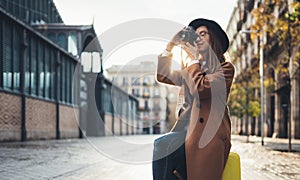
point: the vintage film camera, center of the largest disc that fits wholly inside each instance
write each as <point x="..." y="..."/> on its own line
<point x="188" y="35"/>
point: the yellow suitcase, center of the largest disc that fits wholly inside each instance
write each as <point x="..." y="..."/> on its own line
<point x="232" y="170"/>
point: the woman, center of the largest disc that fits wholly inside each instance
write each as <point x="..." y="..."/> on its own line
<point x="202" y="131"/>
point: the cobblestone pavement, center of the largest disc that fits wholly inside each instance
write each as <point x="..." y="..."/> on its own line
<point x="270" y="161"/>
<point x="129" y="157"/>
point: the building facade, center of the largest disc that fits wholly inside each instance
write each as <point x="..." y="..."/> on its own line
<point x="139" y="80"/>
<point x="253" y="43"/>
<point x="44" y="92"/>
<point x="35" y="76"/>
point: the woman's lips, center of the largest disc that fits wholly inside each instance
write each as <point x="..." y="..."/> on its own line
<point x="199" y="44"/>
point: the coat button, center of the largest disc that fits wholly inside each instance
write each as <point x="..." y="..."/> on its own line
<point x="185" y="105"/>
<point x="201" y="120"/>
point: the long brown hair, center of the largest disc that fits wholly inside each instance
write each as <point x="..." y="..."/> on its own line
<point x="215" y="53"/>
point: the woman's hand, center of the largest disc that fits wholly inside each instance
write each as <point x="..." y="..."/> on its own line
<point x="192" y="51"/>
<point x="174" y="41"/>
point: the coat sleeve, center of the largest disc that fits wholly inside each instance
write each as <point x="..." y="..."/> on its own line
<point x="207" y="84"/>
<point x="165" y="74"/>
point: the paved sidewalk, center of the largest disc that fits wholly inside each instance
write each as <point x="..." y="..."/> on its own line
<point x="270" y="161"/>
<point x="278" y="144"/>
<point x="129" y="157"/>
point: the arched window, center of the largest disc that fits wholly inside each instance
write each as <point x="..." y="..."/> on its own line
<point x="16" y="59"/>
<point x="52" y="36"/>
<point x="72" y="44"/>
<point x="7" y="54"/>
<point x="33" y="66"/>
<point x="62" y="40"/>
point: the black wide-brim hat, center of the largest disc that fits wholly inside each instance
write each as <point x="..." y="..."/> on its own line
<point x="212" y="26"/>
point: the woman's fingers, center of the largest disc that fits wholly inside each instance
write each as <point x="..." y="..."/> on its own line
<point x="188" y="44"/>
<point x="192" y="51"/>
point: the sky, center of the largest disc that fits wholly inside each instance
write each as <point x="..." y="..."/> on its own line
<point x="107" y="14"/>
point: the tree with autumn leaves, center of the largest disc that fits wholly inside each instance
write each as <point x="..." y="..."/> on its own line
<point x="242" y="100"/>
<point x="279" y="22"/>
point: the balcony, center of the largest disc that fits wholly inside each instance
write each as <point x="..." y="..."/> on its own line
<point x="146" y="95"/>
<point x="249" y="5"/>
<point x="239" y="25"/>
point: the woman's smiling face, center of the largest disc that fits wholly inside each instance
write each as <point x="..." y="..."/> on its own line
<point x="203" y="39"/>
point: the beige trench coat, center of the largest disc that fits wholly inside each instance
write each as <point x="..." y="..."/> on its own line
<point x="205" y="115"/>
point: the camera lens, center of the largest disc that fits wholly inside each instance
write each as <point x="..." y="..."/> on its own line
<point x="184" y="35"/>
<point x="188" y="35"/>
